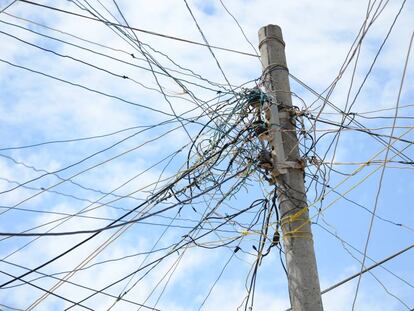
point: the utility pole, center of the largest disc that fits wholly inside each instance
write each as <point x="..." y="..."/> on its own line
<point x="288" y="174"/>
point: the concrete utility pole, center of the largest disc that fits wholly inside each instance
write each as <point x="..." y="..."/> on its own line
<point x="288" y="174"/>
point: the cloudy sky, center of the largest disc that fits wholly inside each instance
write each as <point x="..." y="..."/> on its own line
<point x="89" y="127"/>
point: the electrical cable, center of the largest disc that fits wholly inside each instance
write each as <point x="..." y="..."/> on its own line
<point x="137" y="29"/>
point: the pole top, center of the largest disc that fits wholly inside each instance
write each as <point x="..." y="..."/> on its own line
<point x="271" y="26"/>
<point x="270" y="32"/>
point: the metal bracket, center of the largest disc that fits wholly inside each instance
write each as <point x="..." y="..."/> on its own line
<point x="300" y="164"/>
<point x="281" y="168"/>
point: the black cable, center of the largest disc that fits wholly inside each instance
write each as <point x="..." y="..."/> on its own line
<point x="158" y="260"/>
<point x="44" y="275"/>
<point x="206" y="42"/>
<point x="46" y="291"/>
<point x="152" y="197"/>
<point x="136" y="29"/>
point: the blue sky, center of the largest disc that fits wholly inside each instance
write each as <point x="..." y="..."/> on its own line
<point x="36" y="109"/>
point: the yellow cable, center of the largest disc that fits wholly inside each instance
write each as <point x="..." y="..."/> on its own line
<point x="295" y="217"/>
<point x="354" y="186"/>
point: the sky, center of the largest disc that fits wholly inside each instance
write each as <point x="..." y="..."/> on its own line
<point x="86" y="123"/>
